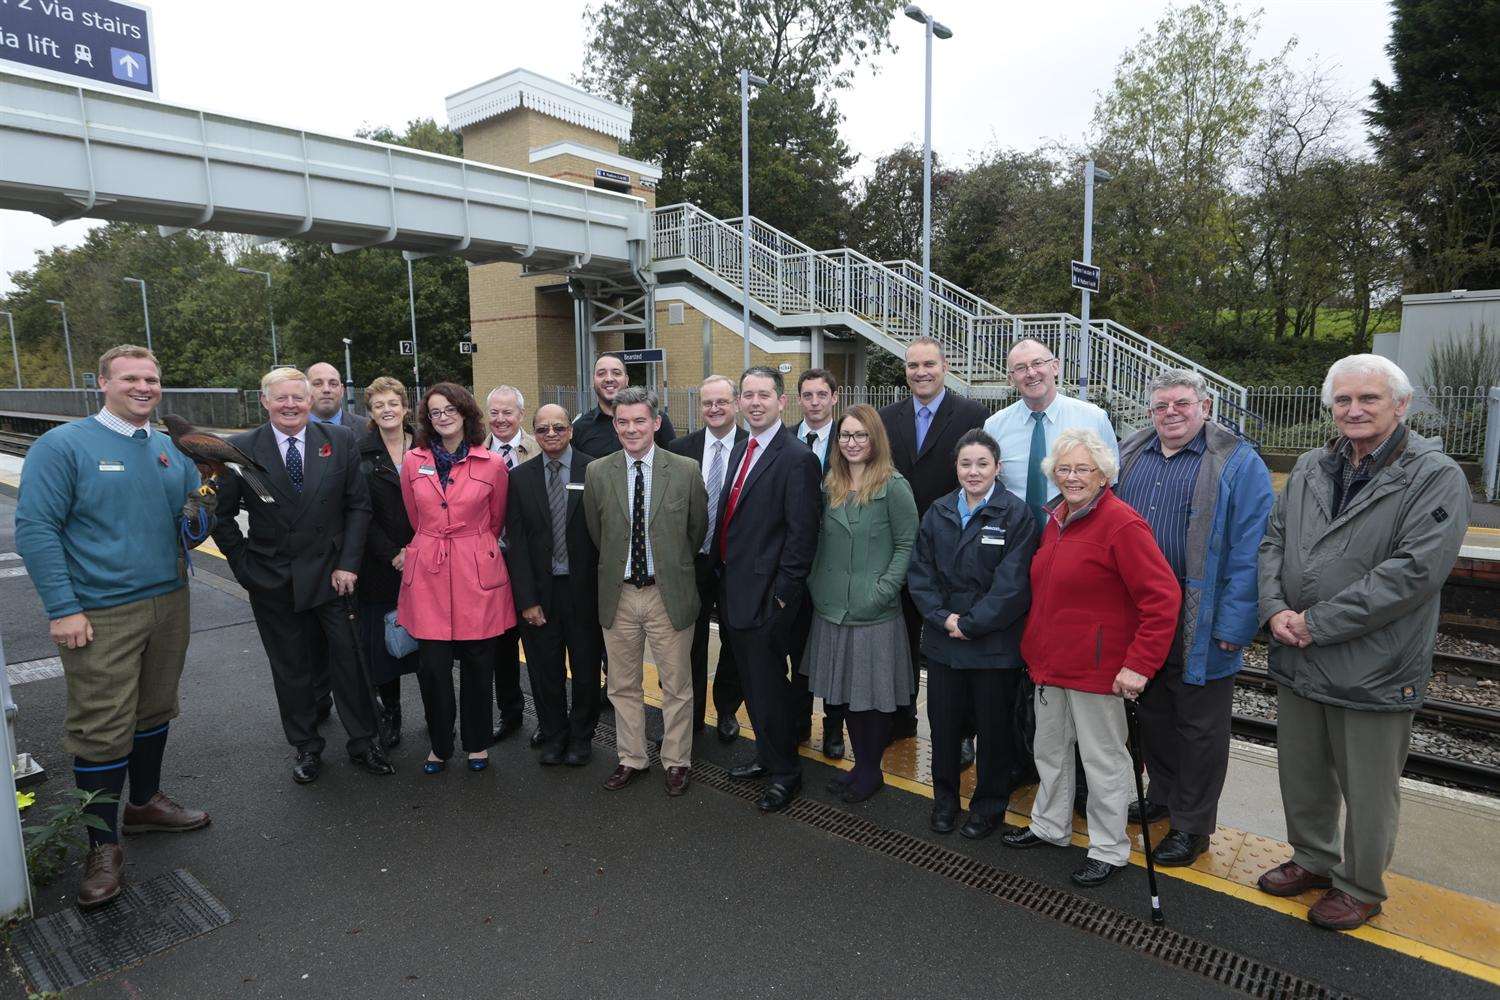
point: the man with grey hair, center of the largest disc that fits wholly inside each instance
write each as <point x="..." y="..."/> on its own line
<point x="505" y="412"/>
<point x="1351" y="569"/>
<point x="1206" y="495"/>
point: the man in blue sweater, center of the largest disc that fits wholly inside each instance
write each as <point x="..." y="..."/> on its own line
<point x="107" y="506"/>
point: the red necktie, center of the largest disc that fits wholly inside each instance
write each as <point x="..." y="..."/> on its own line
<point x="734" y="498"/>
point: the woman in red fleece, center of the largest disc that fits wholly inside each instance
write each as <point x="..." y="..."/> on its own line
<point x="1104" y="606"/>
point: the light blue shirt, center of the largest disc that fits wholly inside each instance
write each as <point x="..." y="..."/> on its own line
<point x="630" y="477"/>
<point x="337" y="419"/>
<point x="932" y="408"/>
<point x="1011" y="427"/>
<point x="964" y="513"/>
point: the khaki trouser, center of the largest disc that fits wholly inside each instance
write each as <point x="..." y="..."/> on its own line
<point x="1096" y="723"/>
<point x="640" y="618"/>
<point x="125" y="681"/>
<point x="1329" y="756"/>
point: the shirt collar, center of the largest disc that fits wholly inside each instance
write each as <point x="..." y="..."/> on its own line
<point x="963" y="500"/>
<point x="764" y="437"/>
<point x="1346" y="448"/>
<point x="337" y="418"/>
<point x="515" y="442"/>
<point x="932" y="407"/>
<point x="803" y="430"/>
<point x="648" y="458"/>
<point x="120" y="425"/>
<point x="565" y="459"/>
<point x="281" y="438"/>
<point x="1059" y="512"/>
<point x="709" y="437"/>
<point x="1198" y="444"/>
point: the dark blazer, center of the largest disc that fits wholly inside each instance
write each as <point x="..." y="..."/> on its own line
<point x="773" y="537"/>
<point x="390" y="530"/>
<point x="930" y="472"/>
<point x="982" y="573"/>
<point x="528" y="524"/>
<point x="691" y="446"/>
<point x="303" y="537"/>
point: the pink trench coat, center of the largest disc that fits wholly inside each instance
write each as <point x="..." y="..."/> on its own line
<point x="453" y="583"/>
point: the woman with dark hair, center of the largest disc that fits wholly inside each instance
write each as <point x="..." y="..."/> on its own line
<point x="970" y="579"/>
<point x="857" y="654"/>
<point x="455" y="592"/>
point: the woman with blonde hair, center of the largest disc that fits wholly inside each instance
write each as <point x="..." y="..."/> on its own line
<point x="857" y="654"/>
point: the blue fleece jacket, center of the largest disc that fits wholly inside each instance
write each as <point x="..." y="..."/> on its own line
<point x="98" y="523"/>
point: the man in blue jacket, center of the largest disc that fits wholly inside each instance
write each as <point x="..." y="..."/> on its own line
<point x="107" y="505"/>
<point x="1207" y="495"/>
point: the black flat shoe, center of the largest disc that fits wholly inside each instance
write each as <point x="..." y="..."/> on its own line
<point x="1179" y="849"/>
<point x="978" y="827"/>
<point x="309" y="765"/>
<point x="1094" y="872"/>
<point x="728" y="728"/>
<point x="1022" y="839"/>
<point x="373" y="761"/>
<point x="777" y="796"/>
<point x="1154" y="812"/>
<point x="747" y="772"/>
<point x="943" y="819"/>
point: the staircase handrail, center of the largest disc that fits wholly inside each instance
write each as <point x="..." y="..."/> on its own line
<point x="942" y="288"/>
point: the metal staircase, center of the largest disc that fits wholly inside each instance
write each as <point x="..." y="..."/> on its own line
<point x="794" y="287"/>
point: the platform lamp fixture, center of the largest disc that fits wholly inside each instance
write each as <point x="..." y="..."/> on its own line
<point x="145" y="309"/>
<point x="348" y="373"/>
<point x="1091" y="174"/>
<point x="67" y="340"/>
<point x="270" y="311"/>
<point x="931" y="28"/>
<point x="747" y="79"/>
<point x="411" y="302"/>
<point x="15" y="354"/>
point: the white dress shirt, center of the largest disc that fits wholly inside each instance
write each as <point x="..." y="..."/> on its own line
<point x="512" y="459"/>
<point x="646" y="461"/>
<point x="282" y="439"/>
<point x="762" y="440"/>
<point x="1011" y="427"/>
<point x="708" y="452"/>
<point x="820" y="444"/>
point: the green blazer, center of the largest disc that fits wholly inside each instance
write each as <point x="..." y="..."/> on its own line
<point x="863" y="552"/>
<point x="676" y="522"/>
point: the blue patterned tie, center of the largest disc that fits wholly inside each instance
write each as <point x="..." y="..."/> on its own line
<point x="294" y="464"/>
<point x="1036" y="483"/>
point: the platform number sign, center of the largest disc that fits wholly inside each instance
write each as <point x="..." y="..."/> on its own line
<point x="408" y="347"/>
<point x="467" y="347"/>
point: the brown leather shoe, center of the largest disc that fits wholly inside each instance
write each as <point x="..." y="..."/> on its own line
<point x="103" y="876"/>
<point x="1291" y="879"/>
<point x="1339" y="911"/>
<point x="162" y="815"/>
<point x="622" y="776"/>
<point x="677" y="780"/>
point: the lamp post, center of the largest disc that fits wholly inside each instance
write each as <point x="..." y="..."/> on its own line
<point x="930" y="28"/>
<point x="15" y="355"/>
<point x="1090" y="174"/>
<point x="746" y="79"/>
<point x="270" y="311"/>
<point x="145" y="309"/>
<point x="67" y="340"/>
<point x="411" y="301"/>
<point x="348" y="373"/>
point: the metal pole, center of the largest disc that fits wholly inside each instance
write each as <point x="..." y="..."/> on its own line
<point x="145" y="309"/>
<point x="348" y="374"/>
<point x="1088" y="258"/>
<point x="745" y="211"/>
<point x="14" y="353"/>
<point x="67" y="340"/>
<point x="927" y="191"/>
<point x="271" y="312"/>
<point x="411" y="301"/>
<point x="15" y="884"/>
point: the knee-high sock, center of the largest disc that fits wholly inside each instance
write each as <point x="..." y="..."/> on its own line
<point x="869" y="732"/>
<point x="145" y="764"/>
<point x="106" y="777"/>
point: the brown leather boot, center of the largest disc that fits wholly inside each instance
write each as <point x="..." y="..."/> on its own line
<point x="103" y="876"/>
<point x="1339" y="911"/>
<point x="1291" y="879"/>
<point x="163" y="815"/>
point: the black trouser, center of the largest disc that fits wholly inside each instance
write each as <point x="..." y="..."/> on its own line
<point x="302" y="646"/>
<point x="988" y="696"/>
<point x="833" y="715"/>
<point x="728" y="693"/>
<point x="1185" y="740"/>
<point x="761" y="656"/>
<point x="435" y="677"/>
<point x="508" y="697"/>
<point x="566" y="640"/>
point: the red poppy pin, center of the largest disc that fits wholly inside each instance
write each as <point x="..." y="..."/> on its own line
<point x="161" y="457"/>
<point x="325" y="451"/>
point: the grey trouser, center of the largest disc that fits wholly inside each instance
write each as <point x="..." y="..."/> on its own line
<point x="1096" y="723"/>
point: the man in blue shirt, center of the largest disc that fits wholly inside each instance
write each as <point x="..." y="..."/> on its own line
<point x="327" y="396"/>
<point x="107" y="506"/>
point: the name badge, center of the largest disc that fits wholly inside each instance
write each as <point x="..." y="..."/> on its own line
<point x="575" y="486"/>
<point x="426" y="470"/>
<point x="105" y="465"/>
<point x="992" y="536"/>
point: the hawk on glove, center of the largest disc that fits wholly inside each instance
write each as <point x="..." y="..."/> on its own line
<point x="216" y="457"/>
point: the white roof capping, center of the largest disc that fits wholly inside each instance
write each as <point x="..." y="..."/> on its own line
<point x="521" y="88"/>
<point x="646" y="171"/>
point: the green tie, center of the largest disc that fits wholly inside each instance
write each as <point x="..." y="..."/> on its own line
<point x="1036" y="483"/>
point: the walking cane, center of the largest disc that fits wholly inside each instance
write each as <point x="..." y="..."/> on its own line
<point x="1134" y="726"/>
<point x="351" y="614"/>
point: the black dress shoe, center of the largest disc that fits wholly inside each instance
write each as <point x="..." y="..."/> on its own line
<point x="309" y="765"/>
<point x="978" y="827"/>
<point x="506" y="729"/>
<point x="372" y="760"/>
<point x="537" y="739"/>
<point x="551" y="756"/>
<point x="833" y="741"/>
<point x="1154" y="812"/>
<point x="777" y="796"/>
<point x="1022" y="838"/>
<point x="577" y="756"/>
<point x="747" y="772"/>
<point x="904" y="727"/>
<point x="728" y="728"/>
<point x="943" y="818"/>
<point x="966" y="753"/>
<point x="1179" y="849"/>
<point x="1094" y="872"/>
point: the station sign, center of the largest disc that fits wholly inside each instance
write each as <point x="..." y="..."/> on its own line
<point x="644" y="356"/>
<point x="1085" y="276"/>
<point x="90" y="380"/>
<point x="408" y="347"/>
<point x="611" y="175"/>
<point x="467" y="347"/>
<point x="100" y="43"/>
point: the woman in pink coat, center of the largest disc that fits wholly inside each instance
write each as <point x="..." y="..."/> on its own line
<point x="455" y="593"/>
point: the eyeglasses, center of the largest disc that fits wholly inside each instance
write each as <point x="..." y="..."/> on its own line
<point x="854" y="437"/>
<point x="445" y="411"/>
<point x="716" y="404"/>
<point x="1039" y="365"/>
<point x="1180" y="405"/>
<point x="551" y="428"/>
<point x="1069" y="471"/>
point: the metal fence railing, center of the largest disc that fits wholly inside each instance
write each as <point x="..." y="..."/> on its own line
<point x="1492" y="446"/>
<point x="222" y="408"/>
<point x="1293" y="418"/>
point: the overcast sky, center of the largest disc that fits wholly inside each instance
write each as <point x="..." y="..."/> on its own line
<point x="1015" y="73"/>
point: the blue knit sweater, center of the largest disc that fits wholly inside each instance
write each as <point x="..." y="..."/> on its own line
<point x="98" y="521"/>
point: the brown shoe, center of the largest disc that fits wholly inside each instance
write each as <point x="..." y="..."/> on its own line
<point x="162" y="815"/>
<point x="623" y="776"/>
<point x="103" y="872"/>
<point x="1291" y="879"/>
<point x="1339" y="911"/>
<point x="677" y="780"/>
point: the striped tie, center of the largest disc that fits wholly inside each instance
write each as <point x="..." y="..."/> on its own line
<point x="557" y="501"/>
<point x="715" y="487"/>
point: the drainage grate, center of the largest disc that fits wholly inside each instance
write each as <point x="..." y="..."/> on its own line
<point x="70" y="948"/>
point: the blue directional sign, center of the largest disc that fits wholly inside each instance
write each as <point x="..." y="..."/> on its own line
<point x="644" y="355"/>
<point x="100" y="42"/>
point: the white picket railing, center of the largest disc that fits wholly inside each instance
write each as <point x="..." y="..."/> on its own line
<point x="1293" y="417"/>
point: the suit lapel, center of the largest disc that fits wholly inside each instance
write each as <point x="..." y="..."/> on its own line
<point x="940" y="420"/>
<point x="576" y="473"/>
<point x="906" y="432"/>
<point x="661" y="481"/>
<point x="619" y="480"/>
<point x="773" y="449"/>
<point x="268" y="455"/>
<point x="314" y="462"/>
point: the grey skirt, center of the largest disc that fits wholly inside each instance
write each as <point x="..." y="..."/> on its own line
<point x="866" y="667"/>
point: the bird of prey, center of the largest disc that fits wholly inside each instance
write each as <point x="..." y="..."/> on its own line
<point x="214" y="457"/>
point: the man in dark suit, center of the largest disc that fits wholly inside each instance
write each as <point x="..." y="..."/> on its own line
<point x="553" y="574"/>
<point x="299" y="565"/>
<point x="923" y="431"/>
<point x="767" y="536"/>
<point x="710" y="447"/>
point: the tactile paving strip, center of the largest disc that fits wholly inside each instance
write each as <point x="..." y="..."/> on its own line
<point x="70" y="948"/>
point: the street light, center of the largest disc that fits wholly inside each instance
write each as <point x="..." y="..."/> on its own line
<point x="746" y="79"/>
<point x="67" y="339"/>
<point x="15" y="354"/>
<point x="1090" y="174"/>
<point x="411" y="302"/>
<point x="270" y="311"/>
<point x="930" y="28"/>
<point x="145" y="310"/>
<point x="348" y="373"/>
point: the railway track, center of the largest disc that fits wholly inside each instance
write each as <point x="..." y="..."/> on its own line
<point x="1435" y="711"/>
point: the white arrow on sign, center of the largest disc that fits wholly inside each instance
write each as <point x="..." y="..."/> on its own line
<point x="129" y="64"/>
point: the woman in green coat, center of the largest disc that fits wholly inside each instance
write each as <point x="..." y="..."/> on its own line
<point x="857" y="653"/>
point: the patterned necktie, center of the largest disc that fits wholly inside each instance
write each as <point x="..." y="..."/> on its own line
<point x="1036" y="483"/>
<point x="510" y="462"/>
<point x="557" y="502"/>
<point x="924" y="420"/>
<point x="638" y="572"/>
<point x="715" y="487"/>
<point x="294" y="464"/>
<point x="734" y="496"/>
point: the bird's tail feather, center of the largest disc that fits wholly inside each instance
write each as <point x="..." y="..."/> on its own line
<point x="256" y="483"/>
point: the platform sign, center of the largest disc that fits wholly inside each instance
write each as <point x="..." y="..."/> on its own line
<point x="90" y="380"/>
<point x="99" y="43"/>
<point x="1085" y="276"/>
<point x="643" y="356"/>
<point x="408" y="347"/>
<point x="467" y="347"/>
